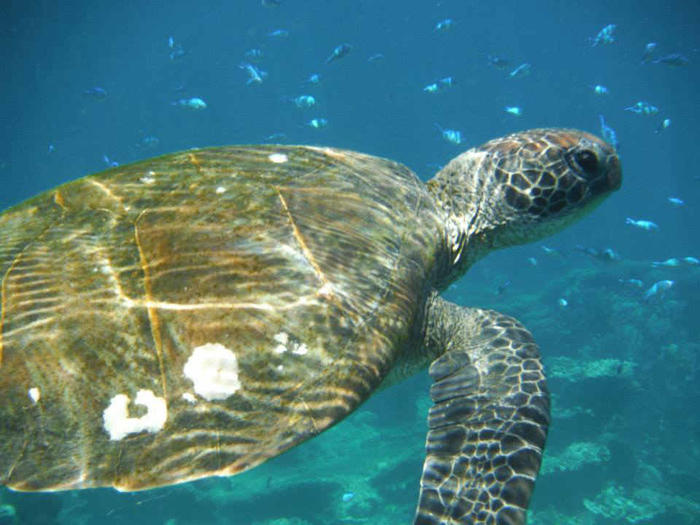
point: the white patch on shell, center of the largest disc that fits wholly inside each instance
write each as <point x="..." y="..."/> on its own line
<point x="189" y="397"/>
<point x="278" y="158"/>
<point x="116" y="418"/>
<point x="286" y="345"/>
<point x="213" y="369"/>
<point x="220" y="190"/>
<point x="300" y="349"/>
<point x="282" y="338"/>
<point x="34" y="394"/>
<point x="149" y="178"/>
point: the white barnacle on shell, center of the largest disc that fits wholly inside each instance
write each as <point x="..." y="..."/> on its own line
<point x="213" y="369"/>
<point x="220" y="190"/>
<point x="285" y="344"/>
<point x="149" y="178"/>
<point x="282" y="338"/>
<point x="278" y="158"/>
<point x="34" y="394"/>
<point x="300" y="349"/>
<point x="118" y="424"/>
<point x="189" y="397"/>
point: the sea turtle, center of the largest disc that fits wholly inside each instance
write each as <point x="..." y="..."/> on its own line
<point x="198" y="313"/>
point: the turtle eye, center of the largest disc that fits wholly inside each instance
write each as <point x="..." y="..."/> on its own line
<point x="587" y="160"/>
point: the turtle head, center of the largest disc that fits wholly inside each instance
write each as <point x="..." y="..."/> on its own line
<point x="522" y="187"/>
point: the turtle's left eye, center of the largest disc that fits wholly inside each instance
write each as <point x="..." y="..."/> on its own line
<point x="588" y="161"/>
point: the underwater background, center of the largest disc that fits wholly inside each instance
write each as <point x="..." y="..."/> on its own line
<point x="87" y="84"/>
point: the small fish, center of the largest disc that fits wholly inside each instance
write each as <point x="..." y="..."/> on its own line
<point x="550" y="251"/>
<point x="674" y="59"/>
<point x="668" y="263"/>
<point x="52" y="148"/>
<point x="450" y="135"/>
<point x="606" y="255"/>
<point x="604" y="36"/>
<point x="176" y="49"/>
<point x="278" y="33"/>
<point x="254" y="54"/>
<point x="255" y="75"/>
<point x="109" y="162"/>
<point x="498" y="62"/>
<point x="271" y="3"/>
<point x="608" y="133"/>
<point x="503" y="287"/>
<point x="513" y="110"/>
<point x="643" y="108"/>
<point x="658" y="288"/>
<point x="520" y="71"/>
<point x="96" y="92"/>
<point x="563" y="303"/>
<point x="532" y="261"/>
<point x="444" y="25"/>
<point x="275" y="137"/>
<point x="347" y="496"/>
<point x="642" y="224"/>
<point x="632" y="282"/>
<point x="194" y="103"/>
<point x="600" y="90"/>
<point x="304" y="101"/>
<point x="177" y="52"/>
<point x="440" y="85"/>
<point x="148" y="142"/>
<point x="648" y="52"/>
<point x="338" y="52"/>
<point x="693" y="261"/>
<point x="375" y="57"/>
<point x="665" y="124"/>
<point x="609" y="255"/>
<point x="676" y="201"/>
<point x="314" y="78"/>
<point x="446" y="82"/>
<point x="317" y="123"/>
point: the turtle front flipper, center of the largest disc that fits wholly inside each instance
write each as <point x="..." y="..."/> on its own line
<point x="488" y="424"/>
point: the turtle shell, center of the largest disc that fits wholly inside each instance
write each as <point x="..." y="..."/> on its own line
<point x="198" y="313"/>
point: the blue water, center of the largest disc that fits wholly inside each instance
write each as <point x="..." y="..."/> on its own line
<point x="639" y="422"/>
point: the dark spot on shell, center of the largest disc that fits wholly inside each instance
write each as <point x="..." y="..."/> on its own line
<point x="535" y="192"/>
<point x="516" y="199"/>
<point x="541" y="201"/>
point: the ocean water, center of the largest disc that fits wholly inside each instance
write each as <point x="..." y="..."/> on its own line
<point x="90" y="83"/>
